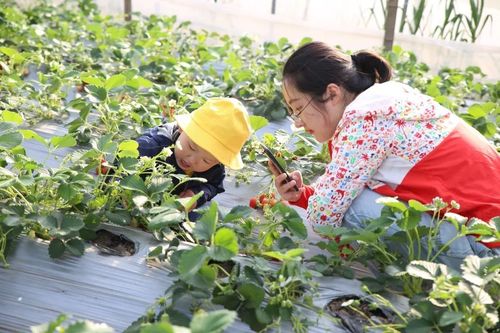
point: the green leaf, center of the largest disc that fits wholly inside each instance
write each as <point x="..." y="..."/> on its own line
<point x="294" y="252"/>
<point x="49" y="327"/>
<point x="258" y="122"/>
<point x="158" y="328"/>
<point x="134" y="183"/>
<point x="191" y="261"/>
<point x="238" y="212"/>
<point x="120" y="217"/>
<point x="56" y="248"/>
<point x="115" y="81"/>
<point x="426" y="270"/>
<point x="480" y="227"/>
<point x="63" y="141"/>
<point x="106" y="145"/>
<point x="12" y="117"/>
<point x="288" y="256"/>
<point x="75" y="246"/>
<point x="49" y="222"/>
<point x="138" y="82"/>
<point x="88" y="327"/>
<point x="8" y="51"/>
<point x="10" y="140"/>
<point x="96" y="81"/>
<point x="254" y="294"/>
<point x="6" y="173"/>
<point x="419" y="326"/>
<point x="140" y="200"/>
<point x="7" y="182"/>
<point x="158" y="184"/>
<point x="188" y="202"/>
<point x="12" y="221"/>
<point x="29" y="134"/>
<point x="262" y="316"/>
<point x="130" y="73"/>
<point x="477" y="111"/>
<point x="450" y="317"/>
<point x="99" y="93"/>
<point x="411" y="219"/>
<point x="130" y="164"/>
<point x="477" y="294"/>
<point x="166" y="218"/>
<point x="128" y="145"/>
<point x="117" y="33"/>
<point x="490" y="265"/>
<point x="204" y="278"/>
<point x="418" y="206"/>
<point x="225" y="245"/>
<point x="128" y="148"/>
<point x="427" y="310"/>
<point x="392" y="202"/>
<point x="66" y="191"/>
<point x="71" y="223"/>
<point x="455" y="219"/>
<point x="291" y="220"/>
<point x="212" y="322"/>
<point x="205" y="226"/>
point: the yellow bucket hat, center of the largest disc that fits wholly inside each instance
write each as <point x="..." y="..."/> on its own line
<point x="221" y="126"/>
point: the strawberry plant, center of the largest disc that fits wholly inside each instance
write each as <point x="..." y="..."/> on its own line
<point x="106" y="80"/>
<point x="394" y="250"/>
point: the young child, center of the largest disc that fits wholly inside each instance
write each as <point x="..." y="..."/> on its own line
<point x="205" y="141"/>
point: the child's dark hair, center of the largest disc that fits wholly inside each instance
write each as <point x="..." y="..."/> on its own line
<point x="315" y="65"/>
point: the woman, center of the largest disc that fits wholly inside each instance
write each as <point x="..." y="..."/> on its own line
<point x="386" y="139"/>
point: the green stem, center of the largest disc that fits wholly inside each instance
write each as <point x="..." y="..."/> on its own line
<point x="419" y="246"/>
<point x="17" y="193"/>
<point x="388" y="304"/>
<point x="411" y="255"/>
<point x="430" y="234"/>
<point x="223" y="270"/>
<point x="390" y="258"/>
<point x="445" y="246"/>
<point x="3" y="246"/>
<point x="437" y="328"/>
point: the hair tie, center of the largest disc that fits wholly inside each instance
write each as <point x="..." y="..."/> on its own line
<point x="353" y="59"/>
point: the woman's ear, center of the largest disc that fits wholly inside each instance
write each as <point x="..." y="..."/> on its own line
<point x="333" y="92"/>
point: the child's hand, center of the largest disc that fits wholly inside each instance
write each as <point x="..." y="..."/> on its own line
<point x="188" y="194"/>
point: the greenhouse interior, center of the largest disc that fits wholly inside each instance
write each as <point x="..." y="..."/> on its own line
<point x="212" y="166"/>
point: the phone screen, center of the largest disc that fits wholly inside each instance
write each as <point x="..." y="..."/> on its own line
<point x="277" y="164"/>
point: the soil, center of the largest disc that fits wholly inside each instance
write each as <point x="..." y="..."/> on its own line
<point x="353" y="321"/>
<point x="112" y="244"/>
<point x="226" y="265"/>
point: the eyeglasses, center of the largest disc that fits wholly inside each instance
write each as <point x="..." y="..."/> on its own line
<point x="296" y="115"/>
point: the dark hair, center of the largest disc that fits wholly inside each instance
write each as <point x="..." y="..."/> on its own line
<point x="315" y="65"/>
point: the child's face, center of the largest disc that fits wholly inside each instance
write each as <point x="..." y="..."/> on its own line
<point x="192" y="158"/>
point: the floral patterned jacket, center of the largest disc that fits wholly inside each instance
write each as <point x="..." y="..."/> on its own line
<point x="401" y="143"/>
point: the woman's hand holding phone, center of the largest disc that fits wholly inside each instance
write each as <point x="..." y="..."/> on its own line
<point x="289" y="190"/>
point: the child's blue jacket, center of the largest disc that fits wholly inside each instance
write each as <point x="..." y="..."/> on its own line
<point x="154" y="140"/>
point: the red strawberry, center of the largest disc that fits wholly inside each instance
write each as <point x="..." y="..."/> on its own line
<point x="253" y="202"/>
<point x="102" y="168"/>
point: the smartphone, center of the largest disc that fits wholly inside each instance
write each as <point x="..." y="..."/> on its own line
<point x="277" y="164"/>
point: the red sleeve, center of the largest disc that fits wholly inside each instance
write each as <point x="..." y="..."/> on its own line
<point x="304" y="198"/>
<point x="309" y="190"/>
